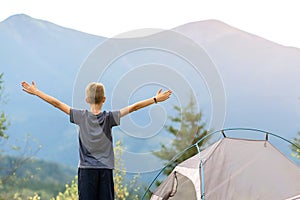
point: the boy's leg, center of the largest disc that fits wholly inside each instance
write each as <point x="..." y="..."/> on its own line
<point x="106" y="185"/>
<point x="87" y="184"/>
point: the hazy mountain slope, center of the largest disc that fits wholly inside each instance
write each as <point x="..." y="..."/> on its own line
<point x="51" y="55"/>
<point x="260" y="78"/>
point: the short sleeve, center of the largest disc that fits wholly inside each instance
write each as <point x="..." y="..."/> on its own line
<point x="76" y="115"/>
<point x="114" y="118"/>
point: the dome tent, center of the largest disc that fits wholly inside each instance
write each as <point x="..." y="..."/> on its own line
<point x="233" y="168"/>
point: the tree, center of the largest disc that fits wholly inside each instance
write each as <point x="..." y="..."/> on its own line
<point x="71" y="192"/>
<point x="124" y="189"/>
<point x="3" y="120"/>
<point x="294" y="148"/>
<point x="11" y="164"/>
<point x="191" y="128"/>
<point x="3" y="137"/>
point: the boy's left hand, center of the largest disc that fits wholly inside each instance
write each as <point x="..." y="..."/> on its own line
<point x="162" y="96"/>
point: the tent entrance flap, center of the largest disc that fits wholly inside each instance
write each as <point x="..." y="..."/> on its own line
<point x="178" y="187"/>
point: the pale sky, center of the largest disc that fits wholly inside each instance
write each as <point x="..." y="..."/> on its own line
<point x="275" y="20"/>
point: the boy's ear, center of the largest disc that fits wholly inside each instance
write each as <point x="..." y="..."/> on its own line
<point x="103" y="99"/>
<point x="87" y="100"/>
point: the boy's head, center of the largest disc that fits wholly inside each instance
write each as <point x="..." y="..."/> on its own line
<point x="95" y="93"/>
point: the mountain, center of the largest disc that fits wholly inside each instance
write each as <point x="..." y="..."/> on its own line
<point x="260" y="76"/>
<point x="259" y="79"/>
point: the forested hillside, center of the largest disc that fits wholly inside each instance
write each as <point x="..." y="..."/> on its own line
<point x="35" y="176"/>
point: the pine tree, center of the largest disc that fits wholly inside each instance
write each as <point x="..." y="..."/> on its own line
<point x="294" y="148"/>
<point x="191" y="129"/>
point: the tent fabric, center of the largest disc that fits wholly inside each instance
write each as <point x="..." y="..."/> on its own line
<point x="294" y="198"/>
<point x="185" y="191"/>
<point x="234" y="169"/>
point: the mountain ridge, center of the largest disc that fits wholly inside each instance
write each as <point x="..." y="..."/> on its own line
<point x="24" y="18"/>
<point x="215" y="26"/>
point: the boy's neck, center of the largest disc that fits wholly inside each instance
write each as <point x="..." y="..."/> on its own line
<point x="95" y="108"/>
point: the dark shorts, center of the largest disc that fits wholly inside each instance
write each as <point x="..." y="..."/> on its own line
<point x="95" y="184"/>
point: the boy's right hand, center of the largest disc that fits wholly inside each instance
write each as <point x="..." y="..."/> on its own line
<point x="30" y="89"/>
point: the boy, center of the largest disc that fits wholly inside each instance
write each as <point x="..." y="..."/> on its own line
<point x="95" y="175"/>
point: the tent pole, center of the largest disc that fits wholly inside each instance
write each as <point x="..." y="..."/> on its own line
<point x="202" y="174"/>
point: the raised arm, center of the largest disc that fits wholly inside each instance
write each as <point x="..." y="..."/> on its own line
<point x="160" y="96"/>
<point x="33" y="90"/>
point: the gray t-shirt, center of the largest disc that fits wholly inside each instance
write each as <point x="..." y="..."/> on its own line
<point x="95" y="138"/>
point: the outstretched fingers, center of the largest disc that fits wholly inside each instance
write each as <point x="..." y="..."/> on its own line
<point x="25" y="85"/>
<point x="168" y="93"/>
<point x="163" y="96"/>
<point x="159" y="91"/>
<point x="30" y="89"/>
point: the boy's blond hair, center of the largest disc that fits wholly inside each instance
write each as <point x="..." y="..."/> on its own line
<point x="95" y="93"/>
